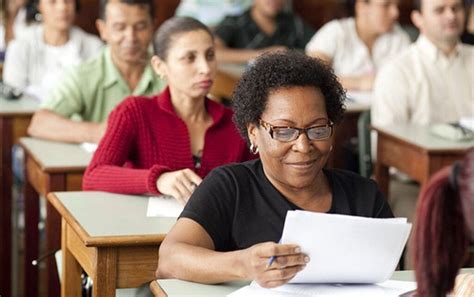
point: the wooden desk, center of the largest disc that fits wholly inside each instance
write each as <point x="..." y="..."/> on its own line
<point x="15" y="117"/>
<point x="414" y="151"/>
<point x="110" y="237"/>
<point x="174" y="288"/>
<point x="49" y="166"/>
<point x="226" y="79"/>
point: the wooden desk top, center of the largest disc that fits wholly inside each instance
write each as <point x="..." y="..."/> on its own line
<point x="57" y="156"/>
<point x="235" y="70"/>
<point x="106" y="219"/>
<point x="174" y="287"/>
<point x="23" y="106"/>
<point x="421" y="136"/>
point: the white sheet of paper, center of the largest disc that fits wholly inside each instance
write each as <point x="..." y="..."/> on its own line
<point x="89" y="146"/>
<point x="467" y="122"/>
<point x="385" y="289"/>
<point x="346" y="249"/>
<point x="163" y="206"/>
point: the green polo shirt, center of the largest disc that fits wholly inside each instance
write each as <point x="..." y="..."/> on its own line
<point x="92" y="89"/>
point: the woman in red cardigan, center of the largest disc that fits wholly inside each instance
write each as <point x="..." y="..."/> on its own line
<point x="166" y="144"/>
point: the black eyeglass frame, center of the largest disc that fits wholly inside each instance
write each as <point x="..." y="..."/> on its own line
<point x="270" y="129"/>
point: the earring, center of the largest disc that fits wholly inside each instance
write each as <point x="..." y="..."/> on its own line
<point x="253" y="149"/>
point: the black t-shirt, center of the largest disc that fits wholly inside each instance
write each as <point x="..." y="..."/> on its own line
<point x="242" y="32"/>
<point x="239" y="207"/>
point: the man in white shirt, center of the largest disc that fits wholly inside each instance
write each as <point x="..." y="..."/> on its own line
<point x="433" y="80"/>
<point x="357" y="47"/>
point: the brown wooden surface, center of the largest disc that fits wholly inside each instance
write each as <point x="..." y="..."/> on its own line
<point x="156" y="289"/>
<point x="122" y="262"/>
<point x="12" y="127"/>
<point x="409" y="158"/>
<point x="41" y="182"/>
<point x="72" y="284"/>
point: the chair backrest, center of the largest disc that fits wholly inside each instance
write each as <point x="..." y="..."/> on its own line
<point x="363" y="132"/>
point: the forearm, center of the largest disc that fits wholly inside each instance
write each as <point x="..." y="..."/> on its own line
<point x="198" y="264"/>
<point x="48" y="125"/>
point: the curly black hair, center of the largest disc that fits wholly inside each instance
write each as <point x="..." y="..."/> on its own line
<point x="284" y="69"/>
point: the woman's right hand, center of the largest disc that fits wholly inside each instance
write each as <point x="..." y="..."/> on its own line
<point x="287" y="263"/>
<point x="180" y="184"/>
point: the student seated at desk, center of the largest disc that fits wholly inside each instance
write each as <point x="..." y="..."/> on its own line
<point x="264" y="27"/>
<point x="357" y="47"/>
<point x="286" y="106"/>
<point x="432" y="80"/>
<point x="91" y="90"/>
<point x="36" y="59"/>
<point x="444" y="228"/>
<point x="169" y="143"/>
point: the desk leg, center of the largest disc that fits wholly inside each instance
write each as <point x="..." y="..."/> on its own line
<point x="6" y="142"/>
<point x="53" y="235"/>
<point x="31" y="240"/>
<point x="105" y="278"/>
<point x="71" y="270"/>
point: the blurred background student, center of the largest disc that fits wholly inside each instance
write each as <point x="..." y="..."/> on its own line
<point x="36" y="59"/>
<point x="167" y="143"/>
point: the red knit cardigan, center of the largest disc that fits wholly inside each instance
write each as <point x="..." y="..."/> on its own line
<point x="146" y="138"/>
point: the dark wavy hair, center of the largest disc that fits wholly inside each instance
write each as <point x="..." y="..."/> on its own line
<point x="284" y="69"/>
<point x="441" y="234"/>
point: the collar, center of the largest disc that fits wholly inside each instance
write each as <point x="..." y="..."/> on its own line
<point x="113" y="76"/>
<point x="432" y="52"/>
<point x="215" y="109"/>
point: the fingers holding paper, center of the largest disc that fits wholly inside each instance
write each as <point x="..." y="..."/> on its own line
<point x="271" y="264"/>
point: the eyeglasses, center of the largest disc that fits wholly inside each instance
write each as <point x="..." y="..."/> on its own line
<point x="287" y="134"/>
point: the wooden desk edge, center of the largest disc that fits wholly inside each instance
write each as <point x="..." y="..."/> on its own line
<point x="156" y="290"/>
<point x="425" y="150"/>
<point x="71" y="169"/>
<point x="102" y="241"/>
<point x="54" y="200"/>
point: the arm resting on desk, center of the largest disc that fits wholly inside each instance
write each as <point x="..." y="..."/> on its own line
<point x="187" y="253"/>
<point x="48" y="125"/>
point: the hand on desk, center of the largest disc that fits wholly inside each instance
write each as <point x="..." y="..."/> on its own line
<point x="288" y="262"/>
<point x="180" y="184"/>
<point x="99" y="132"/>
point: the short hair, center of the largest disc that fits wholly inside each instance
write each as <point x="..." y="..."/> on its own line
<point x="284" y="69"/>
<point x="149" y="3"/>
<point x="441" y="230"/>
<point x="170" y="29"/>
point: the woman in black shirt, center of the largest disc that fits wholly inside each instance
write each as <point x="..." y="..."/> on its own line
<point x="286" y="106"/>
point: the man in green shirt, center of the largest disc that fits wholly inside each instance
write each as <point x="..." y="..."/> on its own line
<point x="91" y="90"/>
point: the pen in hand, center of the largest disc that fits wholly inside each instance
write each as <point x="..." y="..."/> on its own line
<point x="272" y="258"/>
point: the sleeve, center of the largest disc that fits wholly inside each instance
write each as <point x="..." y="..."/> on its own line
<point x="15" y="71"/>
<point x="226" y="30"/>
<point x="212" y="206"/>
<point x="390" y="95"/>
<point x="66" y="98"/>
<point x="107" y="170"/>
<point x="325" y="40"/>
<point x="93" y="46"/>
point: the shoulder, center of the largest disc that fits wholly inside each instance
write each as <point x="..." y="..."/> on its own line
<point x="137" y="105"/>
<point x="351" y="180"/>
<point x="238" y="173"/>
<point x="236" y="20"/>
<point x="398" y="35"/>
<point x="83" y="37"/>
<point x="339" y="26"/>
<point x="91" y="69"/>
<point x="400" y="64"/>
